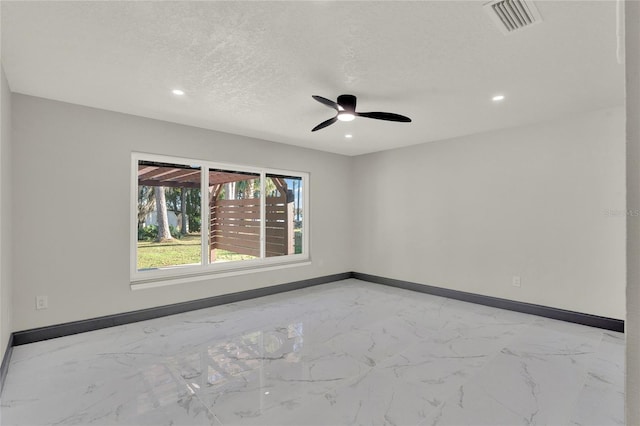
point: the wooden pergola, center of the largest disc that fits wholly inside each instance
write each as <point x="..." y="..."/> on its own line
<point x="234" y="224"/>
<point x="188" y="177"/>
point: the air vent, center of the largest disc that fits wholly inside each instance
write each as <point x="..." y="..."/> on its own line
<point x="513" y="15"/>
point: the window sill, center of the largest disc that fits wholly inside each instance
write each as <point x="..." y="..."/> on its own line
<point x="142" y="283"/>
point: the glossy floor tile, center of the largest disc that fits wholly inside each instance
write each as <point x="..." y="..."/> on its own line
<point x="348" y="352"/>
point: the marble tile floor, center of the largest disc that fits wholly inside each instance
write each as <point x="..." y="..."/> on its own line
<point x="348" y="352"/>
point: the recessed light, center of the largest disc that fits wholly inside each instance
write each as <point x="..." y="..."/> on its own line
<point x="348" y="136"/>
<point x="497" y="98"/>
<point x="177" y="92"/>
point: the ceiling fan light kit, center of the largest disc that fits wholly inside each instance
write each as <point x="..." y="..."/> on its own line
<point x="346" y="111"/>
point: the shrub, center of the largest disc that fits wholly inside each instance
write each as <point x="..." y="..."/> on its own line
<point x="175" y="232"/>
<point x="194" y="223"/>
<point x="148" y="233"/>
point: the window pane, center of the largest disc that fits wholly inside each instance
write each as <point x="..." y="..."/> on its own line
<point x="284" y="215"/>
<point x="169" y="219"/>
<point x="234" y="214"/>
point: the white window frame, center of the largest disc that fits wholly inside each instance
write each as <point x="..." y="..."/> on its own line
<point x="206" y="270"/>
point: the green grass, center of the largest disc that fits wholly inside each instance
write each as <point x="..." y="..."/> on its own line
<point x="175" y="252"/>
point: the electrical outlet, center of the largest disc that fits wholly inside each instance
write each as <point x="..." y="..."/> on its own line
<point x="516" y="281"/>
<point x="42" y="302"/>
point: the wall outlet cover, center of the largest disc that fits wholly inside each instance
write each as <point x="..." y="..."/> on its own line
<point x="42" y="302"/>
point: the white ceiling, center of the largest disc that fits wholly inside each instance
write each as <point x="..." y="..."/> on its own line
<point x="250" y="68"/>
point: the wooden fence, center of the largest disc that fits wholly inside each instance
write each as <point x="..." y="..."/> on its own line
<point x="235" y="226"/>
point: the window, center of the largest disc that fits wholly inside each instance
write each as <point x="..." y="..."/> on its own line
<point x="193" y="218"/>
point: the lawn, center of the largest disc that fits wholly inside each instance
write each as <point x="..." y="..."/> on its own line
<point x="175" y="252"/>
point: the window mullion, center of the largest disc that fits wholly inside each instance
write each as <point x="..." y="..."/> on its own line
<point x="205" y="232"/>
<point x="263" y="215"/>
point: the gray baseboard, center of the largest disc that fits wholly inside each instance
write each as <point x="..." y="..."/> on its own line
<point x="59" y="330"/>
<point x="75" y="327"/>
<point x="511" y="305"/>
<point x="6" y="360"/>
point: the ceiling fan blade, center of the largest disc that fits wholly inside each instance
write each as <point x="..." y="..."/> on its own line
<point x="389" y="116"/>
<point x="324" y="124"/>
<point x="327" y="102"/>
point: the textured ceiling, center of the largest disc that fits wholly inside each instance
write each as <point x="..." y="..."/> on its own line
<point x="250" y="68"/>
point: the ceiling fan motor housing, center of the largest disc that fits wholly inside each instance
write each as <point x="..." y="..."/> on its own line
<point x="348" y="102"/>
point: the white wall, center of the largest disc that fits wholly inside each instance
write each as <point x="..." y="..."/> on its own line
<point x="5" y="214"/>
<point x="632" y="324"/>
<point x="470" y="213"/>
<point x="70" y="159"/>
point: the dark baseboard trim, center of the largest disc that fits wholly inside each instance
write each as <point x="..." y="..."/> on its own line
<point x="527" y="308"/>
<point x="75" y="327"/>
<point x="6" y="359"/>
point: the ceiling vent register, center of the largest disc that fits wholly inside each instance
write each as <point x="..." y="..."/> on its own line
<point x="513" y="15"/>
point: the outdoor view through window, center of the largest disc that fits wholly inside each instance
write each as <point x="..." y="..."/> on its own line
<point x="169" y="219"/>
<point x="234" y="222"/>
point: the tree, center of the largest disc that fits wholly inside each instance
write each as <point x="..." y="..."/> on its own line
<point x="184" y="228"/>
<point x="164" y="233"/>
<point x="193" y="209"/>
<point x="230" y="191"/>
<point x="270" y="188"/>
<point x="146" y="203"/>
<point x="177" y="203"/>
<point x="185" y="203"/>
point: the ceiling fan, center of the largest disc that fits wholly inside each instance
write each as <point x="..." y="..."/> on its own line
<point x="346" y="111"/>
